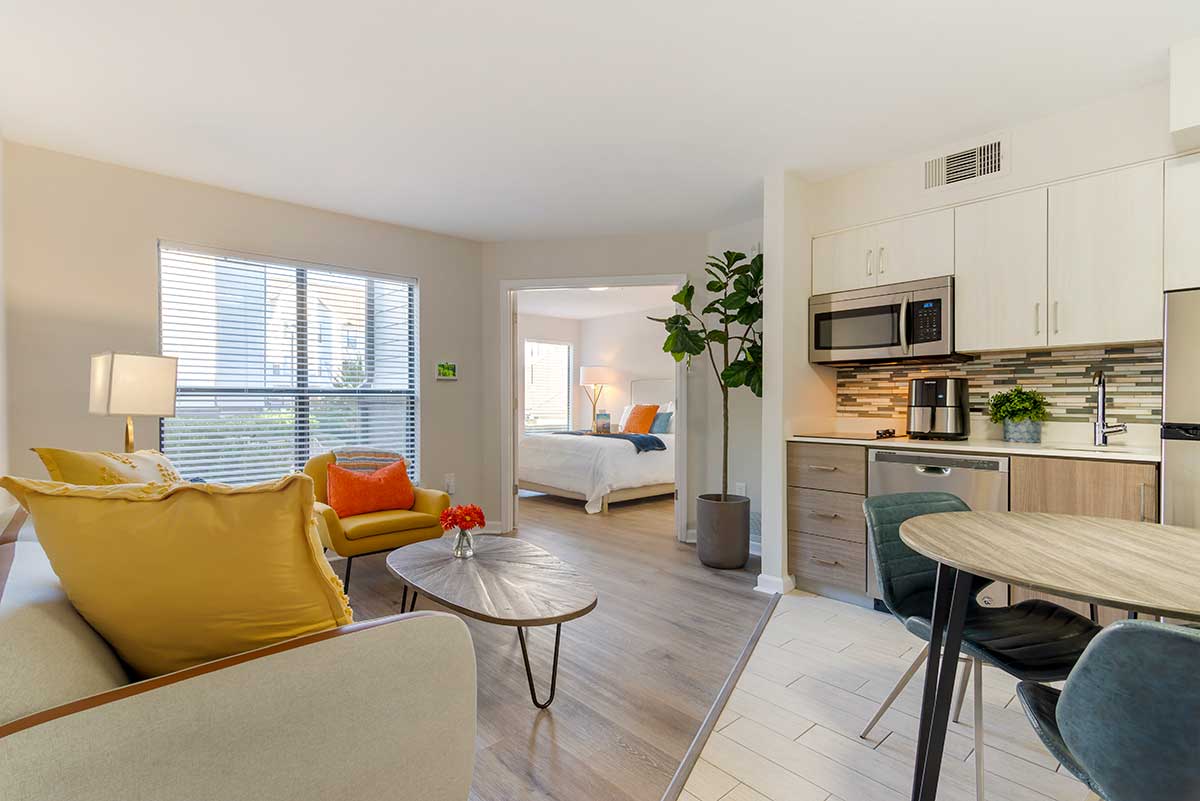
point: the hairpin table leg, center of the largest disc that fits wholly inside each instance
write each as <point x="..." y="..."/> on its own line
<point x="529" y="671"/>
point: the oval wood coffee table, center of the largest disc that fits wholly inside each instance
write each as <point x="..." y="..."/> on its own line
<point x="508" y="582"/>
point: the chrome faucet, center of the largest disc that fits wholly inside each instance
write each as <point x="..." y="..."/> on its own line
<point x="1102" y="429"/>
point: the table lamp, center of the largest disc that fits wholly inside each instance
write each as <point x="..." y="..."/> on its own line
<point x="594" y="378"/>
<point x="129" y="384"/>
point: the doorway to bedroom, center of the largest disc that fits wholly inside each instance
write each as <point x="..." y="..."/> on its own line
<point x="596" y="423"/>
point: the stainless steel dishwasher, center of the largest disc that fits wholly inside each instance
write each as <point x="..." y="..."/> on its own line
<point x="981" y="482"/>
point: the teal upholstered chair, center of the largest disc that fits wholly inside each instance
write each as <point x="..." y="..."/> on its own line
<point x="1033" y="640"/>
<point x="1127" y="722"/>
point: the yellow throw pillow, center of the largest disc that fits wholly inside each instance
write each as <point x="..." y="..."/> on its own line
<point x="177" y="575"/>
<point x="98" y="468"/>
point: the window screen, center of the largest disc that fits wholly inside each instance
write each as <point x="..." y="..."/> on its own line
<point x="547" y="386"/>
<point x="280" y="361"/>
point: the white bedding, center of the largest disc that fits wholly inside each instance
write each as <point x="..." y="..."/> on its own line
<point x="593" y="466"/>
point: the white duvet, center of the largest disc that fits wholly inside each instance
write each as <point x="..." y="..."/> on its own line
<point x="593" y="466"/>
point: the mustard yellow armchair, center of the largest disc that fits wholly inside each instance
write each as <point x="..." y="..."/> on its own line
<point x="374" y="532"/>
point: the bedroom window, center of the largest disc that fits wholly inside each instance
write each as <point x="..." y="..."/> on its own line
<point x="547" y="386"/>
<point x="280" y="361"/>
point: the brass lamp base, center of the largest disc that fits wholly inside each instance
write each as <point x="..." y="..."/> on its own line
<point x="129" y="434"/>
<point x="594" y="397"/>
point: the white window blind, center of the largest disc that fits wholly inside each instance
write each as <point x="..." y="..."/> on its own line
<point x="279" y="362"/>
<point x="547" y="386"/>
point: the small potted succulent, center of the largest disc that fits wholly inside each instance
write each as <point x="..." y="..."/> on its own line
<point x="1022" y="411"/>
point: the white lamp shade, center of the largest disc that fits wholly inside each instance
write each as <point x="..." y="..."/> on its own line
<point x="128" y="384"/>
<point x="597" y="375"/>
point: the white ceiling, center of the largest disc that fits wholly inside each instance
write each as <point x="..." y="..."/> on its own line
<point x="548" y="118"/>
<point x="586" y="304"/>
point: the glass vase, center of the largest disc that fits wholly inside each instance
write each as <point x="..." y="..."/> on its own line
<point x="464" y="545"/>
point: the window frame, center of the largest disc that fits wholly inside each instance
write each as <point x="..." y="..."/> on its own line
<point x="301" y="445"/>
<point x="570" y="346"/>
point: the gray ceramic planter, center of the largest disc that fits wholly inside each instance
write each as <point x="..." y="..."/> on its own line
<point x="723" y="530"/>
<point x="1022" y="431"/>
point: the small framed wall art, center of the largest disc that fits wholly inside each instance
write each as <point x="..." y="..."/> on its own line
<point x="447" y="371"/>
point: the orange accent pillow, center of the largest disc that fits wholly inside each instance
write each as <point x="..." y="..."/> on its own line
<point x="640" y="419"/>
<point x="353" y="493"/>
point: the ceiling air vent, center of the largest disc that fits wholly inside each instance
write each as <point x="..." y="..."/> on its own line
<point x="964" y="165"/>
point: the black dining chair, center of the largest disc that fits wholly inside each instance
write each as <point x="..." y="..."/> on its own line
<point x="1127" y="722"/>
<point x="1034" y="640"/>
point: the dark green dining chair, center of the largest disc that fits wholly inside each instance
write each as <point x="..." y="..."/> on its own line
<point x="1034" y="640"/>
<point x="1127" y="722"/>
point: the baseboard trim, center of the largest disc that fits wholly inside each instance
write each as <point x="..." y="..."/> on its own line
<point x="689" y="536"/>
<point x="692" y="756"/>
<point x="774" y="585"/>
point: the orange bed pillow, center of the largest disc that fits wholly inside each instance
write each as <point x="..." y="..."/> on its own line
<point x="352" y="493"/>
<point x="641" y="418"/>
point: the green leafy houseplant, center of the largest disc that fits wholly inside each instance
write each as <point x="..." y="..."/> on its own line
<point x="1018" y="404"/>
<point x="731" y="335"/>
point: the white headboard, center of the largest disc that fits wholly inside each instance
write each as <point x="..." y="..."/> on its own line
<point x="660" y="391"/>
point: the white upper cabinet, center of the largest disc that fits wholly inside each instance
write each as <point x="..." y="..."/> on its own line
<point x="1181" y="248"/>
<point x="1000" y="273"/>
<point x="1106" y="257"/>
<point x="843" y="261"/>
<point x="915" y="247"/>
<point x="888" y="253"/>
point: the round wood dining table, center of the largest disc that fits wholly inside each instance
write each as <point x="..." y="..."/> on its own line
<point x="1143" y="567"/>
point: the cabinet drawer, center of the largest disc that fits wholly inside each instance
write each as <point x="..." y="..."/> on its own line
<point x="840" y="468"/>
<point x="830" y="514"/>
<point x="824" y="560"/>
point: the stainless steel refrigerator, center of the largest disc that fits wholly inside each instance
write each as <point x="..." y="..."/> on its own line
<point x="1181" y="411"/>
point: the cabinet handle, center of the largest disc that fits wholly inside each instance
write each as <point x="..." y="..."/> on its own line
<point x="824" y="515"/>
<point x="1037" y="318"/>
<point x="1054" y="310"/>
<point x="826" y="562"/>
<point x="870" y="270"/>
<point x="822" y="468"/>
<point x="881" y="261"/>
<point x="1142" y="502"/>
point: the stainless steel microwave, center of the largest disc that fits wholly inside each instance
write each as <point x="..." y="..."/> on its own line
<point x="913" y="320"/>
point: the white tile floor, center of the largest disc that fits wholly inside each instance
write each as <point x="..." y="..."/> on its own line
<point x="790" y="730"/>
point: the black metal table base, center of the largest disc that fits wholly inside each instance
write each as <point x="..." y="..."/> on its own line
<point x="529" y="671"/>
<point x="950" y="598"/>
<point x="405" y="606"/>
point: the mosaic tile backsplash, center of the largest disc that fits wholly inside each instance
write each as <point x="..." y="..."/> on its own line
<point x="1134" y="376"/>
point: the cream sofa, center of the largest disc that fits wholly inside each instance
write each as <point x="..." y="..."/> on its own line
<point x="375" y="710"/>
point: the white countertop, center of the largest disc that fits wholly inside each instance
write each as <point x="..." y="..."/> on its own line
<point x="1071" y="450"/>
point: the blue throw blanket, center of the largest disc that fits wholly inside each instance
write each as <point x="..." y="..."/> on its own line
<point x="641" y="442"/>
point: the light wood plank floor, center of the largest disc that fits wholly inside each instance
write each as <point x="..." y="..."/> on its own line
<point x="636" y="676"/>
<point x="790" y="730"/>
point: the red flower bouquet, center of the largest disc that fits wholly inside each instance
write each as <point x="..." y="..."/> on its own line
<point x="464" y="518"/>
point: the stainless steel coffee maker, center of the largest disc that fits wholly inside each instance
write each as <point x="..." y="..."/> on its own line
<point x="938" y="408"/>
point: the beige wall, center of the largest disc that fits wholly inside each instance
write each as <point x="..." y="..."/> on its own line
<point x="1124" y="129"/>
<point x="82" y="276"/>
<point x="3" y="353"/>
<point x="620" y="341"/>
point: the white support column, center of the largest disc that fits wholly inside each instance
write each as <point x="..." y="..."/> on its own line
<point x="794" y="392"/>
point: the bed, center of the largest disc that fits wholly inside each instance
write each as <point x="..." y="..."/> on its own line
<point x="601" y="470"/>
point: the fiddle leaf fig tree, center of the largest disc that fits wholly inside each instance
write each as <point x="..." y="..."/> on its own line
<point x="728" y="329"/>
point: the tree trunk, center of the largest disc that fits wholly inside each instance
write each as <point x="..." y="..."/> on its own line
<point x="724" y="442"/>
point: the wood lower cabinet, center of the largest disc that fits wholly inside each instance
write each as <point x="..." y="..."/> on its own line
<point x="827" y="531"/>
<point x="1125" y="490"/>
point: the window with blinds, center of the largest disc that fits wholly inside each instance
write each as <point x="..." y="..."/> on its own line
<point x="547" y="386"/>
<point x="281" y="361"/>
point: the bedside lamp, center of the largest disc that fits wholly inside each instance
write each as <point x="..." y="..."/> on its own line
<point x="594" y="379"/>
<point x="129" y="384"/>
